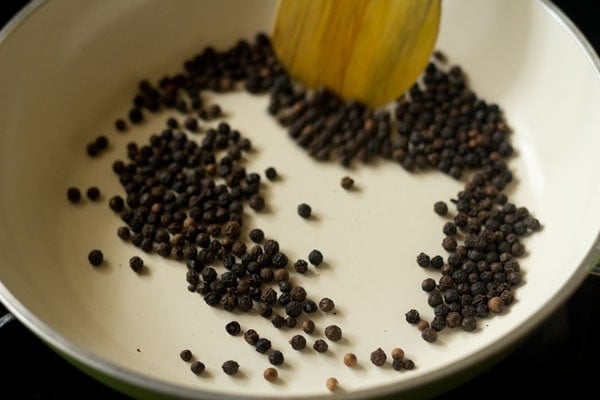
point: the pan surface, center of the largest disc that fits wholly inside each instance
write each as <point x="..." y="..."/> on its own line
<point x="70" y="68"/>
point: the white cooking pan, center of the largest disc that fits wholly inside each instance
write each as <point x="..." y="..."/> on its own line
<point x="69" y="68"/>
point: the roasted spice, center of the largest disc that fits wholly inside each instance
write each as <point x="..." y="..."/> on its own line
<point x="271" y="173"/>
<point x="397" y="353"/>
<point x="429" y="334"/>
<point x="332" y="384"/>
<point x="73" y="194"/>
<point x="270" y="374"/>
<point x="263" y="345"/>
<point x="230" y="367"/>
<point x="197" y="367"/>
<point x="347" y="182"/>
<point x="233" y="328"/>
<point x="93" y="193"/>
<point x="440" y="208"/>
<point x="136" y="264"/>
<point x="378" y="357"/>
<point x="315" y="257"/>
<point x="304" y="210"/>
<point x="298" y="342"/>
<point x="320" y="346"/>
<point x="412" y="316"/>
<point x="308" y="326"/>
<point x="256" y="235"/>
<point x="333" y="333"/>
<point x="95" y="257"/>
<point x="301" y="266"/>
<point x="276" y="357"/>
<point x="186" y="355"/>
<point x="251" y="337"/>
<point x="350" y="360"/>
<point x="326" y="304"/>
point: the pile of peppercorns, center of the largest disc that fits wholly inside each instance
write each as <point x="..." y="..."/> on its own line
<point x="184" y="198"/>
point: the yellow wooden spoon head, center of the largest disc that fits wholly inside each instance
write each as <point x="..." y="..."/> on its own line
<point x="366" y="50"/>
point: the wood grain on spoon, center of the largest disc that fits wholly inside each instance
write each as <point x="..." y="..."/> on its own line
<point x="367" y="50"/>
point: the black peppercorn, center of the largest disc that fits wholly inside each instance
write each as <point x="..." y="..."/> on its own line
<point x="333" y="333"/>
<point x="320" y="346"/>
<point x="378" y="357"/>
<point x="429" y="334"/>
<point x="423" y="260"/>
<point x="197" y="367"/>
<point x="95" y="257"/>
<point x="412" y="316"/>
<point x="230" y="367"/>
<point x="298" y="342"/>
<point x="326" y="304"/>
<point x="440" y="208"/>
<point x="276" y="357"/>
<point x="263" y="345"/>
<point x="347" y="182"/>
<point x="233" y="328"/>
<point x="278" y="321"/>
<point x="73" y="194"/>
<point x="251" y="337"/>
<point x="271" y="173"/>
<point x="136" y="264"/>
<point x="93" y="193"/>
<point x="301" y="266"/>
<point x="428" y="284"/>
<point x="308" y="326"/>
<point x="186" y="355"/>
<point x="304" y="210"/>
<point x="256" y="235"/>
<point x="315" y="257"/>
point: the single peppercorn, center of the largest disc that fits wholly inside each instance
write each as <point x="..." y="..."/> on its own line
<point x="276" y="357"/>
<point x="186" y="355"/>
<point x="233" y="328"/>
<point x="298" y="342"/>
<point x="256" y="202"/>
<point x="397" y="353"/>
<point x="495" y="304"/>
<point x="326" y="304"/>
<point x="412" y="316"/>
<point x="350" y="360"/>
<point x="301" y="266"/>
<point x="270" y="374"/>
<point x="304" y="210"/>
<point x="423" y="260"/>
<point x="73" y="194"/>
<point x="429" y="334"/>
<point x="251" y="337"/>
<point x="271" y="173"/>
<point x="333" y="333"/>
<point x="95" y="257"/>
<point x="422" y="324"/>
<point x="378" y="357"/>
<point x="136" y="264"/>
<point x="278" y="321"/>
<point x="397" y="364"/>
<point x="409" y="364"/>
<point x="93" y="193"/>
<point x="308" y="326"/>
<point x="315" y="257"/>
<point x="320" y="346"/>
<point x="347" y="182"/>
<point x="230" y="367"/>
<point x="263" y="345"/>
<point x="256" y="235"/>
<point x="428" y="284"/>
<point x="332" y="384"/>
<point x="197" y="367"/>
<point x="123" y="233"/>
<point x="469" y="323"/>
<point x="440" y="208"/>
<point x="120" y="125"/>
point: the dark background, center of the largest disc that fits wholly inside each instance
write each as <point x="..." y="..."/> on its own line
<point x="560" y="358"/>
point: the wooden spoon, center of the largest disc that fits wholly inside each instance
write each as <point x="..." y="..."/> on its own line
<point x="367" y="50"/>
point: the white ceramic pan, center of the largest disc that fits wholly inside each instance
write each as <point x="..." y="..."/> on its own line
<point x="69" y="68"/>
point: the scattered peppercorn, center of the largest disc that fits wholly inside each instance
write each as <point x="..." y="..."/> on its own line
<point x="422" y="324"/>
<point x="95" y="257"/>
<point x="350" y="360"/>
<point x="301" y="266"/>
<point x="271" y="173"/>
<point x="263" y="345"/>
<point x="93" y="193"/>
<point x="378" y="357"/>
<point x="270" y="374"/>
<point x="197" y="367"/>
<point x="233" y="328"/>
<point x="397" y="364"/>
<point x="251" y="337"/>
<point x="136" y="264"/>
<point x="440" y="208"/>
<point x="304" y="210"/>
<point x="320" y="346"/>
<point x="276" y="357"/>
<point x="333" y="333"/>
<point x="230" y="367"/>
<point x="423" y="260"/>
<point x="315" y="257"/>
<point x="186" y="355"/>
<point x="332" y="384"/>
<point x="347" y="182"/>
<point x="256" y="235"/>
<point x="73" y="194"/>
<point x="308" y="326"/>
<point x="326" y="304"/>
<point x="429" y="334"/>
<point x="412" y="316"/>
<point x="397" y="353"/>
